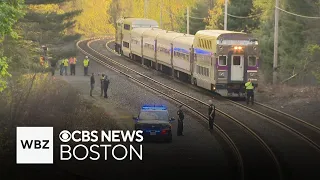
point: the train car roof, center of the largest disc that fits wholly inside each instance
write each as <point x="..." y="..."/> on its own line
<point x="154" y="32"/>
<point x="139" y="30"/>
<point x="223" y="35"/>
<point x="216" y="33"/>
<point x="185" y="39"/>
<point x="141" y="22"/>
<point x="169" y="36"/>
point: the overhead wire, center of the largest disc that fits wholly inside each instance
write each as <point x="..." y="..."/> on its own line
<point x="298" y="15"/>
<point x="234" y="16"/>
<point x="253" y="16"/>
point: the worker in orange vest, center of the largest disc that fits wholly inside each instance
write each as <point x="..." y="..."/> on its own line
<point x="41" y="60"/>
<point x="72" y="62"/>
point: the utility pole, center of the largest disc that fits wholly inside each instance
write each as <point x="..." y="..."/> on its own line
<point x="145" y="9"/>
<point x="188" y="27"/>
<point x="225" y="14"/>
<point x="161" y="13"/>
<point x="276" y="38"/>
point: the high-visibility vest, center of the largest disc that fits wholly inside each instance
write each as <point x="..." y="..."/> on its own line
<point x="86" y="62"/>
<point x="71" y="61"/>
<point x="65" y="62"/>
<point x="46" y="64"/>
<point x="249" y="85"/>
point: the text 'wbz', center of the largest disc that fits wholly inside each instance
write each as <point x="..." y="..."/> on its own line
<point x="93" y="151"/>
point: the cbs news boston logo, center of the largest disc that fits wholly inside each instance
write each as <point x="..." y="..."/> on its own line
<point x="35" y="144"/>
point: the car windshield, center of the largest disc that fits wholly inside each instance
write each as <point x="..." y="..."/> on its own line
<point x="154" y="115"/>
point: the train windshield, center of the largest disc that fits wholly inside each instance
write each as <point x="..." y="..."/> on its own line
<point x="252" y="61"/>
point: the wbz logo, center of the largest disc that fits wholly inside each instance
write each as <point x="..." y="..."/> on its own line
<point x="34" y="145"/>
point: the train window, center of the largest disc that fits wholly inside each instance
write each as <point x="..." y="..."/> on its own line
<point x="187" y="57"/>
<point x="198" y="69"/>
<point x="252" y="61"/>
<point x="126" y="26"/>
<point x="125" y="44"/>
<point x="236" y="60"/>
<point x="222" y="60"/>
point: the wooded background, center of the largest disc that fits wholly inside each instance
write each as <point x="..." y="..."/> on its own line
<point x="26" y="25"/>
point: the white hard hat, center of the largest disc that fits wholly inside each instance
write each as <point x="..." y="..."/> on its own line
<point x="210" y="102"/>
<point x="86" y="56"/>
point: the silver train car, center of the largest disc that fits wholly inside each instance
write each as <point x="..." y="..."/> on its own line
<point x="216" y="60"/>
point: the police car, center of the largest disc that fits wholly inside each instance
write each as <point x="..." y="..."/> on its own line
<point x="155" y="123"/>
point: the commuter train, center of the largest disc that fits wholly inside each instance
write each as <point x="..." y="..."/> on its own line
<point x="216" y="60"/>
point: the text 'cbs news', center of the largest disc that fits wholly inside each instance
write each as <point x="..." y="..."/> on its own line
<point x="35" y="145"/>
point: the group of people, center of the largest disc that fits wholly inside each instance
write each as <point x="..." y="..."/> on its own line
<point x="211" y="116"/>
<point x="72" y="61"/>
<point x="104" y="83"/>
<point x="212" y="109"/>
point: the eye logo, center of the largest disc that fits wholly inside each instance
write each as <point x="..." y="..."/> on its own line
<point x="65" y="136"/>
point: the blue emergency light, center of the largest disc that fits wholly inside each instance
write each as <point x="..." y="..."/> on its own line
<point x="154" y="107"/>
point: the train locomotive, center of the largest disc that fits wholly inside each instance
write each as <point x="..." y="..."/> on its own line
<point x="216" y="60"/>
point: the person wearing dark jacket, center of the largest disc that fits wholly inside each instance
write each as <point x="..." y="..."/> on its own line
<point x="53" y="66"/>
<point x="106" y="86"/>
<point x="212" y="114"/>
<point x="180" y="121"/>
<point x="92" y="82"/>
<point x="102" y="84"/>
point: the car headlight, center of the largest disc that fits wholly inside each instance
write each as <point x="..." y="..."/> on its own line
<point x="222" y="74"/>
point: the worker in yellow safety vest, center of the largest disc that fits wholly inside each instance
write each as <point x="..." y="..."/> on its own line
<point x="249" y="90"/>
<point x="65" y="65"/>
<point x="72" y="62"/>
<point x="86" y="65"/>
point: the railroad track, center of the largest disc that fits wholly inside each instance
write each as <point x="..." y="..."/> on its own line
<point x="302" y="129"/>
<point x="242" y="141"/>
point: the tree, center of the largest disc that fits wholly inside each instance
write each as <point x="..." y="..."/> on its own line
<point x="10" y="12"/>
<point x="241" y="8"/>
<point x="47" y="24"/>
<point x="216" y="15"/>
<point x="197" y="20"/>
<point x="295" y="36"/>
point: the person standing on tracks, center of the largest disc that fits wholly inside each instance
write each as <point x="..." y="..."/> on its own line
<point x="102" y="84"/>
<point x="86" y="65"/>
<point x="92" y="82"/>
<point x="249" y="91"/>
<point x="106" y="83"/>
<point x="180" y="121"/>
<point x="212" y="114"/>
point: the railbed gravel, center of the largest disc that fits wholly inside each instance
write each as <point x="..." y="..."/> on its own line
<point x="288" y="147"/>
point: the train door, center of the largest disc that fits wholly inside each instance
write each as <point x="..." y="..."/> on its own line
<point x="237" y="68"/>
